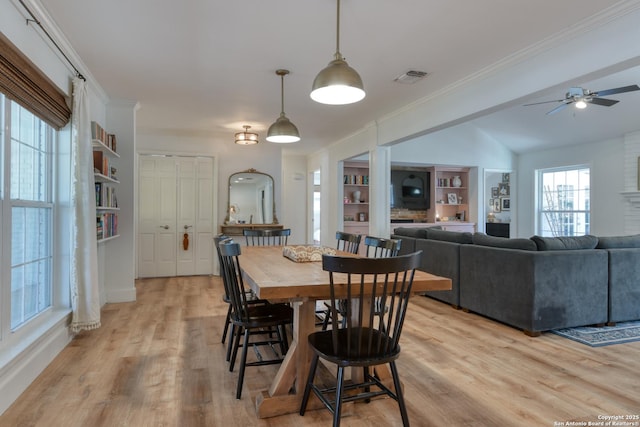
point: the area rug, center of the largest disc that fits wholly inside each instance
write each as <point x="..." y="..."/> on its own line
<point x="607" y="335"/>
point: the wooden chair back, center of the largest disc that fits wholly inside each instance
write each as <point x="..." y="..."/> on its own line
<point x="348" y="242"/>
<point x="370" y="333"/>
<point x="261" y="237"/>
<point x="378" y="247"/>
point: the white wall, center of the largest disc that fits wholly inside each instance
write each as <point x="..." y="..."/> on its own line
<point x="606" y="160"/>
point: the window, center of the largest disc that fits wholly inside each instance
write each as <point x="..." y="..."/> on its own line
<point x="28" y="207"/>
<point x="564" y="201"/>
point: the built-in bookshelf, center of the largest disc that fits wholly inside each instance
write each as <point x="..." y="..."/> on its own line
<point x="106" y="181"/>
<point x="356" y="197"/>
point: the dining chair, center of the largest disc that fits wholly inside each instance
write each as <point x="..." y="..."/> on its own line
<point x="378" y="247"/>
<point x="250" y="296"/>
<point x="373" y="342"/>
<point x="269" y="237"/>
<point x="252" y="319"/>
<point x="348" y="242"/>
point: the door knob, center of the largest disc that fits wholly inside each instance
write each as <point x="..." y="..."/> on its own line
<point x="186" y="227"/>
<point x="166" y="227"/>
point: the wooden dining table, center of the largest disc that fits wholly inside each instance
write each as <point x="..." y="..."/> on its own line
<point x="274" y="277"/>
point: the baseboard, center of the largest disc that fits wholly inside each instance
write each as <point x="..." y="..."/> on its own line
<point x="19" y="372"/>
<point x="121" y="295"/>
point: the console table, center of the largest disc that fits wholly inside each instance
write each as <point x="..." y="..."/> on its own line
<point x="236" y="229"/>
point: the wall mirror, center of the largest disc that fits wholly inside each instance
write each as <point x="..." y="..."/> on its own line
<point x="251" y="199"/>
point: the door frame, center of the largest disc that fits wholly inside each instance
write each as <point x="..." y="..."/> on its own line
<point x="147" y="152"/>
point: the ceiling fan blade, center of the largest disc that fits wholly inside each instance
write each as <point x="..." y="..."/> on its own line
<point x="543" y="102"/>
<point x="559" y="108"/>
<point x="603" y="101"/>
<point x="617" y="90"/>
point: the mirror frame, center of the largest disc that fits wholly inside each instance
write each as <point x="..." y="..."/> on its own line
<point x="251" y="170"/>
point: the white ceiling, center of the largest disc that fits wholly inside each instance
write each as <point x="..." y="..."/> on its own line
<point x="205" y="68"/>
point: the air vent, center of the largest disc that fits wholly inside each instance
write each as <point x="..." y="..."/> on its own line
<point x="411" y="77"/>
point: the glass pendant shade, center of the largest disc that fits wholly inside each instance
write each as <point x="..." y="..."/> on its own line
<point x="283" y="131"/>
<point x="337" y="84"/>
<point x="246" y="137"/>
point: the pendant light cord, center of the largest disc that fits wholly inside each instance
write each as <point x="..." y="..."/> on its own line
<point x="338" y="54"/>
<point x="282" y="94"/>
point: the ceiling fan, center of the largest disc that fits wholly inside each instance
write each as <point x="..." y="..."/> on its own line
<point x="581" y="97"/>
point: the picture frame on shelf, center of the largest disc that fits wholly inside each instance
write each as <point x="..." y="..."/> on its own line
<point x="505" y="204"/>
<point x="496" y="205"/>
<point x="494" y="192"/>
<point x="452" y="198"/>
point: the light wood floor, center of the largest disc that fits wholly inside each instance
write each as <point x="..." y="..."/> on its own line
<point x="159" y="362"/>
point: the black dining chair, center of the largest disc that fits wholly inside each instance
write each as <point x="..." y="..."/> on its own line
<point x="252" y="319"/>
<point x="378" y="247"/>
<point x="373" y="342"/>
<point x="250" y="296"/>
<point x="267" y="237"/>
<point x="348" y="242"/>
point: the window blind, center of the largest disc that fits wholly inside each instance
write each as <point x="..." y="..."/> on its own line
<point x="23" y="82"/>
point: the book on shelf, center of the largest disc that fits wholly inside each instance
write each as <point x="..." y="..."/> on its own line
<point x="98" y="133"/>
<point x="106" y="196"/>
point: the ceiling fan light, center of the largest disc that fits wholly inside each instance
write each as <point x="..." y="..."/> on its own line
<point x="581" y="104"/>
<point x="337" y="84"/>
<point x="282" y="131"/>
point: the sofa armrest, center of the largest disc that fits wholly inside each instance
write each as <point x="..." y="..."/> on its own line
<point x="535" y="291"/>
<point x="624" y="284"/>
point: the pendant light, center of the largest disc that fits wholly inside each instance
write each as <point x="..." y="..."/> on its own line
<point x="282" y="130"/>
<point x="338" y="83"/>
<point x="246" y="137"/>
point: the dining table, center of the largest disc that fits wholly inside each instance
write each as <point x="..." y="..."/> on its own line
<point x="277" y="278"/>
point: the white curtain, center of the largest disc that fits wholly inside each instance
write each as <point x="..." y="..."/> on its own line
<point x="85" y="299"/>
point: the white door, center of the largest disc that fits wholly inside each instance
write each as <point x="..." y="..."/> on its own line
<point x="195" y="216"/>
<point x="175" y="198"/>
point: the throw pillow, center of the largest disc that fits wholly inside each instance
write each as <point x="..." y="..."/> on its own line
<point x="449" y="236"/>
<point x="564" y="243"/>
<point x="482" y="239"/>
<point x="614" y="242"/>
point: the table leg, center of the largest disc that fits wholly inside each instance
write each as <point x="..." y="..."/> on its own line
<point x="285" y="393"/>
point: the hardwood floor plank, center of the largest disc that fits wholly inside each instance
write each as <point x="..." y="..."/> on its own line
<point x="159" y="362"/>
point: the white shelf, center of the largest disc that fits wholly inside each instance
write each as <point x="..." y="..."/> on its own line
<point x="98" y="177"/>
<point x="106" y="239"/>
<point x="99" y="146"/>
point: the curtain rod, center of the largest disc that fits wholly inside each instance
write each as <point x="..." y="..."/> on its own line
<point x="78" y="74"/>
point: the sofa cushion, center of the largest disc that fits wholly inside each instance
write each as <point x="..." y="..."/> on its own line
<point x="615" y="242"/>
<point x="418" y="233"/>
<point x="449" y="236"/>
<point x="504" y="242"/>
<point x="565" y="242"/>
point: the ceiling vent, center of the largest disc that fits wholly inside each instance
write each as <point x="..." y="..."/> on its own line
<point x="410" y="77"/>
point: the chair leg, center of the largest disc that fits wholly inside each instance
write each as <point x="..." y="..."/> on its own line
<point x="232" y="338"/>
<point x="236" y="344"/>
<point x="338" y="405"/>
<point x="325" y="322"/>
<point x="243" y="363"/>
<point x="398" y="386"/>
<point x="227" y="322"/>
<point x="307" y="388"/>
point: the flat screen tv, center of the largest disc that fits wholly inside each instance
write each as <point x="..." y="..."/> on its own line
<point x="410" y="189"/>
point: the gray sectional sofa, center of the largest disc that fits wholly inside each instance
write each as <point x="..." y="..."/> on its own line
<point x="535" y="284"/>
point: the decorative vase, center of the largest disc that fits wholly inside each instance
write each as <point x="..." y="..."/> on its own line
<point x="355" y="197"/>
<point x="457" y="182"/>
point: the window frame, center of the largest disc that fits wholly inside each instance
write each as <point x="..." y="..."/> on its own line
<point x="541" y="194"/>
